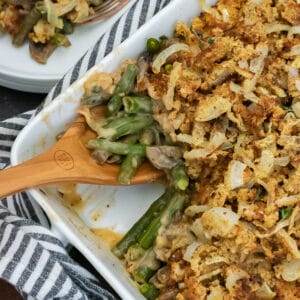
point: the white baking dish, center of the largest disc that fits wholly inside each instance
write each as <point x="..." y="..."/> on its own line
<point x="116" y="208"/>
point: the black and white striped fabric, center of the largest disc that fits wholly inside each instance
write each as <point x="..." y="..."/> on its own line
<point x="32" y="258"/>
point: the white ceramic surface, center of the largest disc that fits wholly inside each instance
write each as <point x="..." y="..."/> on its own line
<point x="126" y="204"/>
<point x="19" y="71"/>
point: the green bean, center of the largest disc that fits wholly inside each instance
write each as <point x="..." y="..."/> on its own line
<point x="145" y="267"/>
<point x="175" y="206"/>
<point x="142" y="274"/>
<point x="149" y="291"/>
<point x="127" y="125"/>
<point x="179" y="178"/>
<point x="30" y="20"/>
<point x="135" y="252"/>
<point x="116" y="147"/>
<point x="131" y="139"/>
<point x="124" y="86"/>
<point x="60" y="40"/>
<point x="147" y="137"/>
<point x="137" y="104"/>
<point x="68" y="27"/>
<point x="164" y="218"/>
<point x="129" y="166"/>
<point x="168" y="67"/>
<point x="153" y="45"/>
<point x="148" y="237"/>
<point x="163" y="38"/>
<point x="138" y="228"/>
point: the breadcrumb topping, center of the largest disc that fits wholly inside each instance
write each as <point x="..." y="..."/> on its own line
<point x="235" y="112"/>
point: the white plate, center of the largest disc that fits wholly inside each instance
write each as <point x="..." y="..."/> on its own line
<point x="120" y="207"/>
<point x="19" y="71"/>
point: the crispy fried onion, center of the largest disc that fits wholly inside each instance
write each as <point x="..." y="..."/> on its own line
<point x="162" y="57"/>
<point x="256" y="66"/>
<point x="296" y="107"/>
<point x="289" y="243"/>
<point x="238" y="174"/>
<point x="278" y="27"/>
<point x="168" y="98"/>
<point x="56" y="10"/>
<point x="289" y="270"/>
<point x="209" y="275"/>
<point x="233" y="274"/>
<point x="293" y="30"/>
<point x="191" y="248"/>
<point x="279" y="226"/>
<point x="211" y="108"/>
<point x="287" y="201"/>
<point x="219" y="222"/>
<point x="210" y="10"/>
<point x="240" y="90"/>
<point x="193" y="210"/>
<point x="265" y="292"/>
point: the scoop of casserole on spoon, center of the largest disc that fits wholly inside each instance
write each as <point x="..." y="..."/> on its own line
<point x="68" y="160"/>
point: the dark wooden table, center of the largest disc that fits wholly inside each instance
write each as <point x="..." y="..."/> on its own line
<point x="14" y="102"/>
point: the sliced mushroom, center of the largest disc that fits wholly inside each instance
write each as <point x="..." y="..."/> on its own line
<point x="164" y="157"/>
<point x="163" y="274"/>
<point x="143" y="64"/>
<point x="41" y="52"/>
<point x="100" y="156"/>
<point x="114" y="159"/>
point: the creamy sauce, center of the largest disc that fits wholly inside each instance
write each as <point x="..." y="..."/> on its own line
<point x="108" y="235"/>
<point x="70" y="198"/>
<point x="46" y="119"/>
<point x="96" y="215"/>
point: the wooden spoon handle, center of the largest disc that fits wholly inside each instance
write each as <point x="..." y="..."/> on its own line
<point x="49" y="167"/>
<point x="52" y="166"/>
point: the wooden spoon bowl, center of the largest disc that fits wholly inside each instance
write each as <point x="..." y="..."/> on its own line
<point x="68" y="160"/>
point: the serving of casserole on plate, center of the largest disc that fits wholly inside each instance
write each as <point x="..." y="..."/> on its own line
<point x="44" y="23"/>
<point x="30" y="76"/>
<point x="223" y="87"/>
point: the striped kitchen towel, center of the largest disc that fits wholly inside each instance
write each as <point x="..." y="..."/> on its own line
<point x="31" y="257"/>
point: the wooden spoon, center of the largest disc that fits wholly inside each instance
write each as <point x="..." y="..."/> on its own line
<point x="68" y="160"/>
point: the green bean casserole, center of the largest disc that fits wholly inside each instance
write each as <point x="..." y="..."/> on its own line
<point x="217" y="107"/>
<point x="44" y="23"/>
